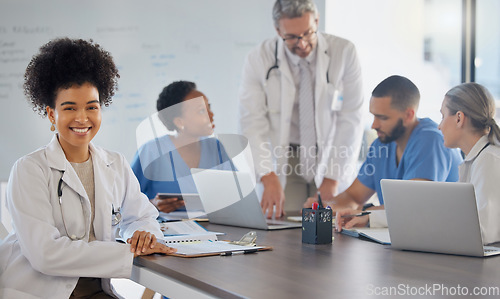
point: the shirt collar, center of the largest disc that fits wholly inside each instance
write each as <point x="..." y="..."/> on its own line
<point x="57" y="159"/>
<point x="295" y="59"/>
<point x="476" y="149"/>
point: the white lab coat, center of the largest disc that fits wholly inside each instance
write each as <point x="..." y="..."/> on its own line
<point x="481" y="168"/>
<point x="38" y="259"/>
<point x="266" y="108"/>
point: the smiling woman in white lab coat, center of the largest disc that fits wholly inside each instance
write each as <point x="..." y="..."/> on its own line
<point x="68" y="198"/>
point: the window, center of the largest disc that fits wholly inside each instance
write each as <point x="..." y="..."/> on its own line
<point x="418" y="39"/>
<point x="487" y="59"/>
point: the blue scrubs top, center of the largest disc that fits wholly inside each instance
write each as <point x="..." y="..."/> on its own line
<point x="425" y="157"/>
<point x="160" y="168"/>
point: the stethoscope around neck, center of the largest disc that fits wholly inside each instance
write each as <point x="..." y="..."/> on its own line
<point x="116" y="218"/>
<point x="276" y="65"/>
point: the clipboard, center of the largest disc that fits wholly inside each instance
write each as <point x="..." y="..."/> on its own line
<point x="211" y="248"/>
<point x="192" y="240"/>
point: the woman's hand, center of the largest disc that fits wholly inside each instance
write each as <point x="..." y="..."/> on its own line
<point x="144" y="243"/>
<point x="167" y="204"/>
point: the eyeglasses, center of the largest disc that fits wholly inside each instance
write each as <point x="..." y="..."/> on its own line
<point x="294" y="39"/>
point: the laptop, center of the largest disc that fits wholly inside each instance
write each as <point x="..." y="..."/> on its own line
<point x="229" y="198"/>
<point x="436" y="217"/>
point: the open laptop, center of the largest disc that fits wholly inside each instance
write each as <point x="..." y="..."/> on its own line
<point x="229" y="198"/>
<point x="434" y="217"/>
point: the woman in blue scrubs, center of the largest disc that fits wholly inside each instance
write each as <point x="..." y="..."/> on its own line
<point x="163" y="164"/>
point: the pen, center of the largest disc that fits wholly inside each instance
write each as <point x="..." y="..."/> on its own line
<point x="319" y="201"/>
<point x="229" y="253"/>
<point x="356" y="215"/>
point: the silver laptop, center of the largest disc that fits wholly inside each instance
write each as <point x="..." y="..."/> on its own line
<point x="434" y="217"/>
<point x="229" y="198"/>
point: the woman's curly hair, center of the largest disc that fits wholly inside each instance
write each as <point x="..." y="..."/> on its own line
<point x="64" y="62"/>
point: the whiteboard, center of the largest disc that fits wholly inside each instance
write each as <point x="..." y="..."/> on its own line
<point x="153" y="42"/>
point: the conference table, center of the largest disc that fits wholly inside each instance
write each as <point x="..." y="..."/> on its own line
<point x="347" y="268"/>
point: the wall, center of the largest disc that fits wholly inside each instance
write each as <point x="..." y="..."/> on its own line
<point x="154" y="42"/>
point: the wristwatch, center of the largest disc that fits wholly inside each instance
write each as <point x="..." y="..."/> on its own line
<point x="367" y="206"/>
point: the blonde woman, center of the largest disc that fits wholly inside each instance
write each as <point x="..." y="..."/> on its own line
<point x="468" y="123"/>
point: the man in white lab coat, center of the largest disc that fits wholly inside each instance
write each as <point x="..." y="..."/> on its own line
<point x="300" y="107"/>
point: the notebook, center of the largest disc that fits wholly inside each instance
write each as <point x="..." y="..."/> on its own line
<point x="229" y="198"/>
<point x="379" y="235"/>
<point x="188" y="228"/>
<point x="436" y="217"/>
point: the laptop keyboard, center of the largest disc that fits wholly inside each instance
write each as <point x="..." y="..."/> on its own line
<point x="275" y="222"/>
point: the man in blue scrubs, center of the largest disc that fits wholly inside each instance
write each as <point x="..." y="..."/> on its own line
<point x="407" y="148"/>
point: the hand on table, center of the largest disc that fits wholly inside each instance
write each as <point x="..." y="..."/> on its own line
<point x="342" y="221"/>
<point x="273" y="196"/>
<point x="145" y="243"/>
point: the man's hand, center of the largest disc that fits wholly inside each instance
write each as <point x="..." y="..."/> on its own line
<point x="167" y="204"/>
<point x="352" y="198"/>
<point x="310" y="201"/>
<point x="273" y="196"/>
<point x="343" y="221"/>
<point x="144" y="243"/>
<point x="328" y="189"/>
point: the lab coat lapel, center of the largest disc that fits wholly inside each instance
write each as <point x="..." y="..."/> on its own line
<point x="104" y="185"/>
<point x="288" y="91"/>
<point x="321" y="88"/>
<point x="57" y="161"/>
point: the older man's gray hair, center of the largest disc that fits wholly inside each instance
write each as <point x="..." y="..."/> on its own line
<point x="292" y="9"/>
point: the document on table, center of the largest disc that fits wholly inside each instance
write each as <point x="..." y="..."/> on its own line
<point x="193" y="240"/>
<point x="207" y="248"/>
<point x="380" y="235"/>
